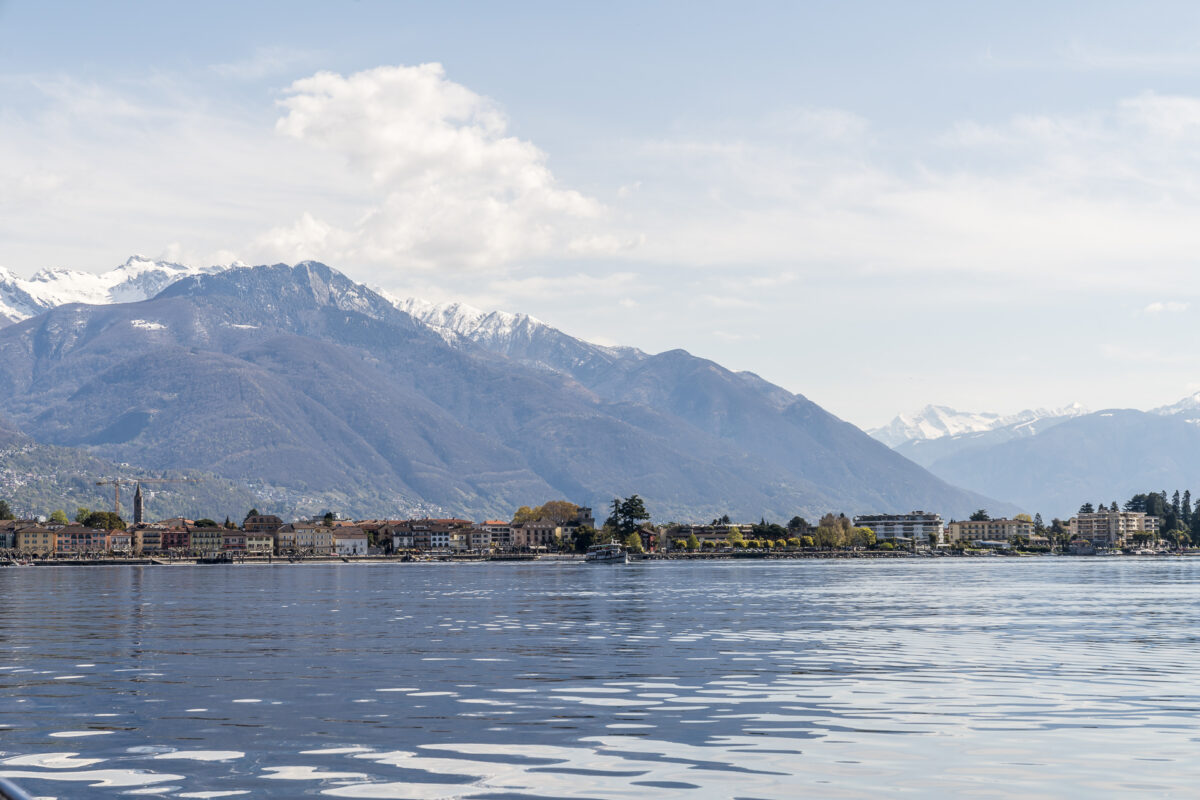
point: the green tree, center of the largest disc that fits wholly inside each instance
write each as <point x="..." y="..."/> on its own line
<point x="633" y="543"/>
<point x="5" y="510"/>
<point x="524" y="514"/>
<point x="205" y="522"/>
<point x="105" y="520"/>
<point x="863" y="537"/>
<point x="980" y="516"/>
<point x="807" y="541"/>
<point x="797" y="523"/>
<point x="1087" y="508"/>
<point x="627" y="515"/>
<point x="251" y="513"/>
<point x="585" y="537"/>
<point x="735" y="537"/>
<point x="59" y="516"/>
<point x="229" y="524"/>
<point x="1038" y="526"/>
<point x="329" y="518"/>
<point x="829" y="536"/>
<point x="81" y="513"/>
<point x="693" y="544"/>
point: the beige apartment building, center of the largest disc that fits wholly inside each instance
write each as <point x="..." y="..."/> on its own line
<point x="989" y="530"/>
<point x="1112" y="528"/>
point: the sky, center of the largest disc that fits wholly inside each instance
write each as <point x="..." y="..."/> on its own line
<point x="991" y="206"/>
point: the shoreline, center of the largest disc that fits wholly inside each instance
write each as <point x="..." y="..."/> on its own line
<point x="561" y="559"/>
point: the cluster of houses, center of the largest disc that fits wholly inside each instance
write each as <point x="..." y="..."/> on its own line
<point x="266" y="534"/>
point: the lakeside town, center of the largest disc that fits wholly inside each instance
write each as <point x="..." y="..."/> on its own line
<point x="559" y="528"/>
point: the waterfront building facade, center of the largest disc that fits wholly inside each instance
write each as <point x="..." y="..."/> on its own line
<point x="79" y="540"/>
<point x="260" y="543"/>
<point x="350" y="541"/>
<point x="917" y="526"/>
<point x="989" y="530"/>
<point x="1112" y="528"/>
<point x="36" y="540"/>
<point x="206" y="542"/>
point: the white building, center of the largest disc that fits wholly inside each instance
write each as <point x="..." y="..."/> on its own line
<point x="920" y="526"/>
<point x="350" y="542"/>
<point x="502" y="532"/>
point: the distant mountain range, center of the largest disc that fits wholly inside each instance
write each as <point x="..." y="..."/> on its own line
<point x="315" y="390"/>
<point x="139" y="278"/>
<point x="1055" y="461"/>
<point x="938" y="422"/>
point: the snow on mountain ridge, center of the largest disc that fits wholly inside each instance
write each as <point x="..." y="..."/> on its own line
<point x="139" y="278"/>
<point x="936" y="422"/>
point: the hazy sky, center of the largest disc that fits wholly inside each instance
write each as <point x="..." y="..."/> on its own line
<point x="879" y="205"/>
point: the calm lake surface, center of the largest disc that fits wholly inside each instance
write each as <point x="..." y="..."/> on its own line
<point x="1051" y="677"/>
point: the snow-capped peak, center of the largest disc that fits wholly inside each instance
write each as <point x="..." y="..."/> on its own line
<point x="139" y="278"/>
<point x="1188" y="407"/>
<point x="934" y="422"/>
<point x="483" y="327"/>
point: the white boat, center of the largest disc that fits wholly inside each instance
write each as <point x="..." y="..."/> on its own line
<point x="611" y="553"/>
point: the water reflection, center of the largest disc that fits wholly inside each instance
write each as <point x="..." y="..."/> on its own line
<point x="955" y="678"/>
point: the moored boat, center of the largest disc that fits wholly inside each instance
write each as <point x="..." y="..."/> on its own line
<point x="611" y="553"/>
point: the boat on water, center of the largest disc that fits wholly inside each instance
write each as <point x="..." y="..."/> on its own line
<point x="611" y="553"/>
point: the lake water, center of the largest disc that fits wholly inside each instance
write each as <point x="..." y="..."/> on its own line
<point x="1052" y="677"/>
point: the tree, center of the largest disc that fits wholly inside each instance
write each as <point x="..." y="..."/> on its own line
<point x="105" y="520"/>
<point x="862" y="537"/>
<point x="793" y="542"/>
<point x="1038" y="525"/>
<point x="251" y="513"/>
<point x="585" y="537"/>
<point x="807" y="541"/>
<point x="693" y="544"/>
<point x="1023" y="518"/>
<point x="329" y="518"/>
<point x="627" y="515"/>
<point x="797" y="523"/>
<point x="229" y="524"/>
<point x="633" y="543"/>
<point x="81" y="513"/>
<point x="735" y="536"/>
<point x="59" y="516"/>
<point x="829" y="536"/>
<point x="557" y="511"/>
<point x="1185" y="509"/>
<point x="980" y="516"/>
<point x="206" y="523"/>
<point x="523" y="514"/>
<point x="1087" y="508"/>
<point x="5" y="510"/>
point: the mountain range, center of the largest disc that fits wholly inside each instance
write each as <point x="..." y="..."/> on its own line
<point x="1053" y="462"/>
<point x="304" y="386"/>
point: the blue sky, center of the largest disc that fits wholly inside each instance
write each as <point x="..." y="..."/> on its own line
<point x="990" y="206"/>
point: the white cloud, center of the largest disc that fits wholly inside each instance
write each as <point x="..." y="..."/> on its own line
<point x="450" y="188"/>
<point x="1169" y="306"/>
